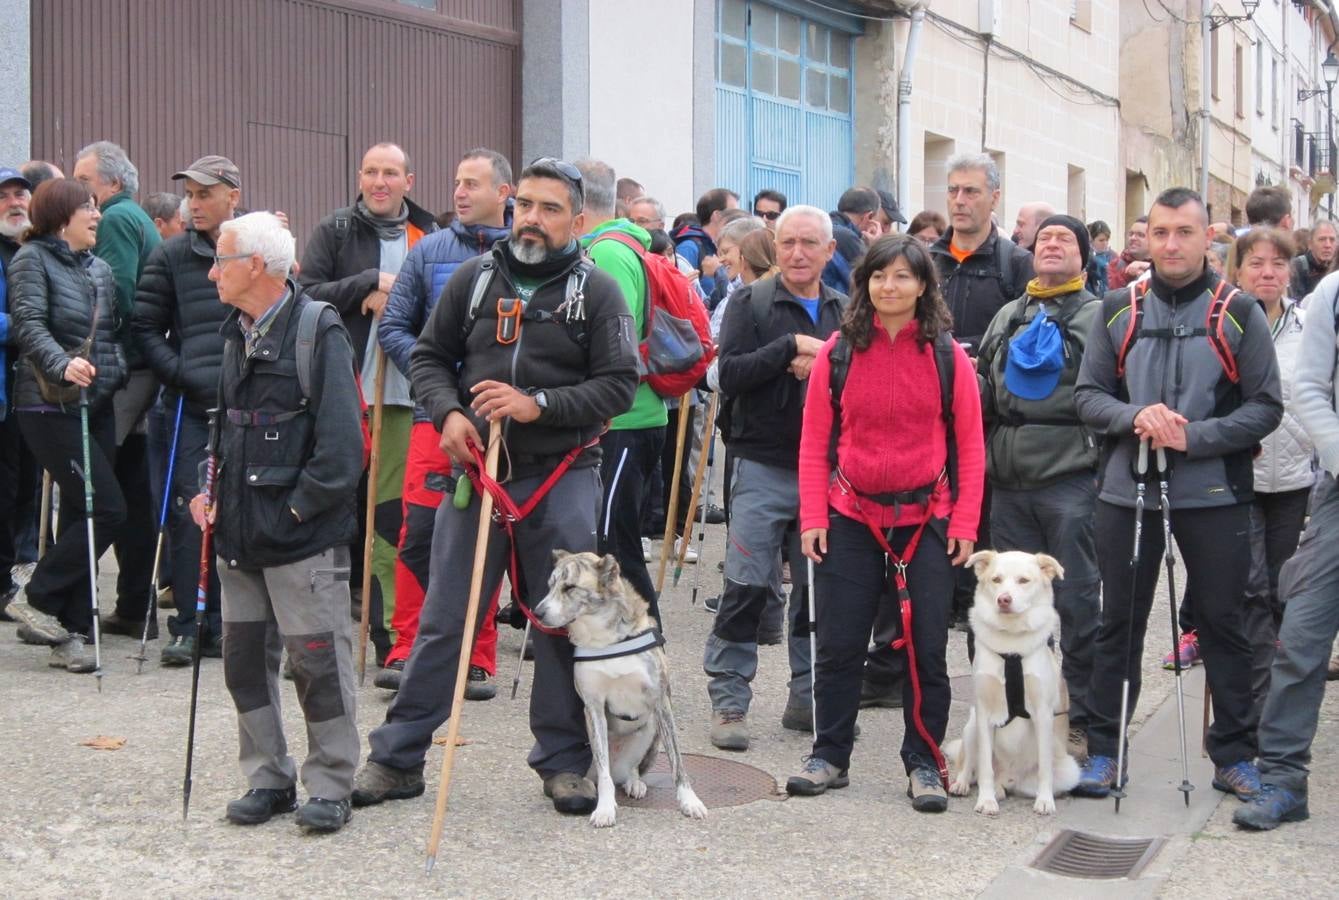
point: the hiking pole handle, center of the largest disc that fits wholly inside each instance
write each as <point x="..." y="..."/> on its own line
<point x="1141" y="463"/>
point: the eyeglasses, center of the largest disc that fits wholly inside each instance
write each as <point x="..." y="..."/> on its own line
<point x="220" y="261"/>
<point x="649" y="223"/>
<point x="562" y="167"/>
<point x="770" y="215"/>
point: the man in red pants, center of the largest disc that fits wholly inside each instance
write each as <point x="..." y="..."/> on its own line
<point x="482" y="201"/>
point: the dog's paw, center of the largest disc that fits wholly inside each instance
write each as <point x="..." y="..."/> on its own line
<point x="635" y="788"/>
<point x="690" y="805"/>
<point x="960" y="787"/>
<point x="987" y="805"/>
<point x="1044" y="806"/>
<point x="603" y="817"/>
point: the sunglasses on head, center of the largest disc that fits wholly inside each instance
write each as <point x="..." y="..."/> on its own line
<point x="563" y="168"/>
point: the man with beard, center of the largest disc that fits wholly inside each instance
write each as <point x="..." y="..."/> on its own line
<point x="16" y="465"/>
<point x="554" y="377"/>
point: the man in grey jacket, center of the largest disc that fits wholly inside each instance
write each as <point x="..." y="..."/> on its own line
<point x="1041" y="460"/>
<point x="1307" y="585"/>
<point x="1163" y="381"/>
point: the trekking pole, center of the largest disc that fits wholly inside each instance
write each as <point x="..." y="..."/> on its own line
<point x="463" y="667"/>
<point x="673" y="509"/>
<point x="1204" y="733"/>
<point x="44" y="515"/>
<point x="520" y="660"/>
<point x="369" y="523"/>
<point x="1170" y="556"/>
<point x="1141" y="472"/>
<point x="201" y="594"/>
<point x="88" y="521"/>
<point x="696" y="496"/>
<point x="813" y="651"/>
<point x="158" y="546"/>
<point x="709" y="440"/>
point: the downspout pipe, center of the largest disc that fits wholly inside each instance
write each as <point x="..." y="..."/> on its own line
<point x="1206" y="89"/>
<point x="904" y="109"/>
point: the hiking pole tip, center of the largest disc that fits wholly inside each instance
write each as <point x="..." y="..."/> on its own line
<point x="432" y="861"/>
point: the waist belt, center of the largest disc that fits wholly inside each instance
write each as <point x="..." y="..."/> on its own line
<point x="638" y="643"/>
<point x="259" y="418"/>
<point x="920" y="496"/>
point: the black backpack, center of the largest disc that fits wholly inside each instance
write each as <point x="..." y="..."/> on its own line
<point x="839" y="361"/>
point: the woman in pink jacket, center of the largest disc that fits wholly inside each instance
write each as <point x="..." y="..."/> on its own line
<point x="889" y="488"/>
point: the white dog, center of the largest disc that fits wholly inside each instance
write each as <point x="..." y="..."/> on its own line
<point x="1003" y="750"/>
<point x="622" y="675"/>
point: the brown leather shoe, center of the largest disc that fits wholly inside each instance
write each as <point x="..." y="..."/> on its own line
<point x="1332" y="674"/>
<point x="570" y="793"/>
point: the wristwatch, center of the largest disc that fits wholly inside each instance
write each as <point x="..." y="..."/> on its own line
<point x="541" y="400"/>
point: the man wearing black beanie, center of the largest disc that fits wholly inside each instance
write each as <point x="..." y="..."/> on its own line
<point x="1040" y="460"/>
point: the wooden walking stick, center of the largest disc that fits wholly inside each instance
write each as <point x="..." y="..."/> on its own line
<point x="373" y="469"/>
<point x="693" y="500"/>
<point x="44" y="515"/>
<point x="673" y="510"/>
<point x="467" y="636"/>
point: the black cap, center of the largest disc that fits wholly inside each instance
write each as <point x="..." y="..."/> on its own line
<point x="890" y="208"/>
<point x="1080" y="233"/>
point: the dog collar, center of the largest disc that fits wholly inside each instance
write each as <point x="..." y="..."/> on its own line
<point x="638" y="643"/>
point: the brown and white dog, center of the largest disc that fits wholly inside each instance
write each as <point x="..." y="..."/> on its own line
<point x="1013" y="615"/>
<point x="623" y="679"/>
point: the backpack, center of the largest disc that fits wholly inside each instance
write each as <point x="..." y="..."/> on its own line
<point x="839" y="361"/>
<point x="1232" y="305"/>
<point x="309" y="321"/>
<point x="676" y="347"/>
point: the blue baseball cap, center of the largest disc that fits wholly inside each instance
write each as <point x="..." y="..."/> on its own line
<point x="1036" y="359"/>
<point x="8" y="174"/>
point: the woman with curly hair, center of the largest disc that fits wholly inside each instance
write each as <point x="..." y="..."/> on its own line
<point x="886" y="473"/>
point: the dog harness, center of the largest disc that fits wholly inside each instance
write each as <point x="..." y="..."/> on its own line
<point x="506" y="514"/>
<point x="898" y="568"/>
<point x="638" y="643"/>
<point x="1014" y="695"/>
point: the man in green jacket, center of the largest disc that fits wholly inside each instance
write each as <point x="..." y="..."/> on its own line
<point x="633" y="444"/>
<point x="1040" y="458"/>
<point x="126" y="235"/>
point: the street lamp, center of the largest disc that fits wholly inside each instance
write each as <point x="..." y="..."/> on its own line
<point x="1218" y="21"/>
<point x="1330" y="70"/>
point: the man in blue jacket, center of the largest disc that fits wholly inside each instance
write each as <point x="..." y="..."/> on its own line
<point x="483" y="216"/>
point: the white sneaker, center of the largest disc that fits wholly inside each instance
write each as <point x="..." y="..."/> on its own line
<point x="688" y="557"/>
<point x="646" y="550"/>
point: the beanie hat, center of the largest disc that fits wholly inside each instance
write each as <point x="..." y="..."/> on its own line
<point x="1080" y="233"/>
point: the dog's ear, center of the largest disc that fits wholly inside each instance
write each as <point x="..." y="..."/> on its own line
<point x="609" y="572"/>
<point x="1050" y="567"/>
<point x="559" y="556"/>
<point x="980" y="561"/>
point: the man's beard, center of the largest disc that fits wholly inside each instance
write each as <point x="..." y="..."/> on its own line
<point x="14" y="230"/>
<point x="529" y="252"/>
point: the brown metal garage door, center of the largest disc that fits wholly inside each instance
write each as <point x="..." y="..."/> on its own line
<point x="292" y="90"/>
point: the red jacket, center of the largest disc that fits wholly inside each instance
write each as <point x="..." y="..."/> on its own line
<point x="1116" y="271"/>
<point x="893" y="436"/>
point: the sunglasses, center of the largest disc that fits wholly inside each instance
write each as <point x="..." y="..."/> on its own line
<point x="563" y="168"/>
<point x="770" y="215"/>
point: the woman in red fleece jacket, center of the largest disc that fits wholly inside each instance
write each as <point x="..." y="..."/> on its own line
<point x="892" y="441"/>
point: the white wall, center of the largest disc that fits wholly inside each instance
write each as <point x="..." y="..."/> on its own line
<point x="15" y="84"/>
<point x="641" y="95"/>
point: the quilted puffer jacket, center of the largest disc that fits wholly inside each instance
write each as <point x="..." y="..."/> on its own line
<point x="52" y="293"/>
<point x="1285" y="460"/>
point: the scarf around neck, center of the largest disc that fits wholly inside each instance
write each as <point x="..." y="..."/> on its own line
<point x="1037" y="292"/>
<point x="388" y="229"/>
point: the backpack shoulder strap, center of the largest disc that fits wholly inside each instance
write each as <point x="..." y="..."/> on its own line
<point x="308" y="329"/>
<point x="945" y="364"/>
<point x="839" y="366"/>
<point x="1112" y="308"/>
<point x="483" y="280"/>
<point x="343" y="223"/>
<point x="623" y="238"/>
<point x="761" y="295"/>
<point x="1231" y="305"/>
<point x="1004" y="264"/>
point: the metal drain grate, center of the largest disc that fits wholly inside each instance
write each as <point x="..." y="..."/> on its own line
<point x="1077" y="854"/>
<point x="717" y="782"/>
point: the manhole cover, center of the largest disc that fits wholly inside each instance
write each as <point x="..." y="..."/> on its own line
<point x="717" y="782"/>
<point x="1077" y="854"/>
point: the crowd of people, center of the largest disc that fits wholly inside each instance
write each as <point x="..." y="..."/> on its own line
<point x="889" y="401"/>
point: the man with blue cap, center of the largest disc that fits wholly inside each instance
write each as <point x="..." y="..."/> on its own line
<point x="1040" y="459"/>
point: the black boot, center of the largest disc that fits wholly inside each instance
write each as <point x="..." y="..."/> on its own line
<point x="260" y="804"/>
<point x="324" y="815"/>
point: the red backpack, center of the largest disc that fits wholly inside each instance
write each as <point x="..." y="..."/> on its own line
<point x="676" y="347"/>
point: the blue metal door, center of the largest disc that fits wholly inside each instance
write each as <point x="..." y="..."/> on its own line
<point x="783" y="103"/>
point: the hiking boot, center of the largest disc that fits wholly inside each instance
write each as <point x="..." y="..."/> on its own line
<point x="1189" y="651"/>
<point x="815" y="777"/>
<point x="180" y="652"/>
<point x="376" y="783"/>
<point x="1271" y="806"/>
<point x="39" y="623"/>
<point x="128" y="627"/>
<point x="1078" y="745"/>
<point x="480" y="685"/>
<point x="22" y="573"/>
<point x="259" y="805"/>
<point x="388" y="679"/>
<point x="27" y="636"/>
<point x="797" y="716"/>
<point x="926" y="790"/>
<point x="880" y="696"/>
<point x="324" y="816"/>
<point x="1097" y="777"/>
<point x="571" y="794"/>
<point x="1240" y="778"/>
<point x="729" y="729"/>
<point x="5" y="599"/>
<point x="212" y="647"/>
<point x="711" y="604"/>
<point x="715" y="515"/>
<point x="73" y="655"/>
